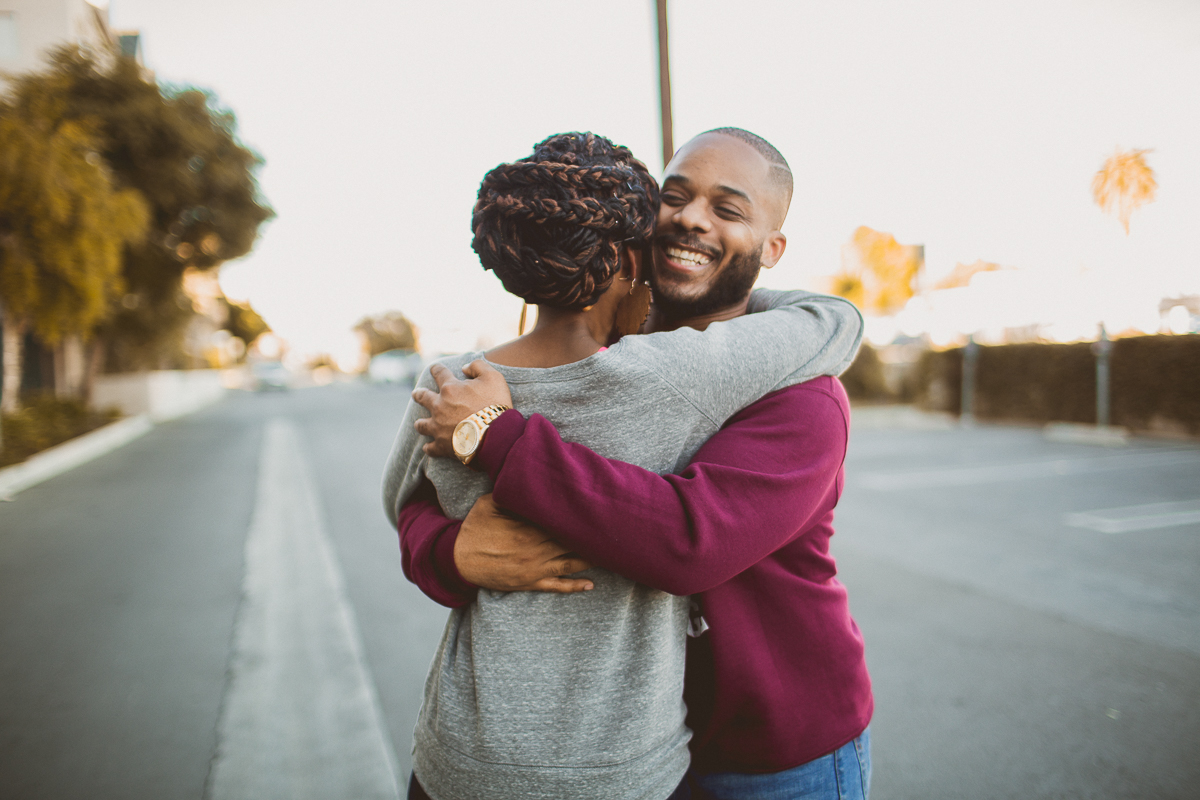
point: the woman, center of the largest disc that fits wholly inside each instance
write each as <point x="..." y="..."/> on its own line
<point x="579" y="696"/>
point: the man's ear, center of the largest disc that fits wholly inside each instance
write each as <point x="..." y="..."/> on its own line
<point x="773" y="249"/>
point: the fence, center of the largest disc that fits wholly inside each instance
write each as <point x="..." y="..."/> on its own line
<point x="1155" y="383"/>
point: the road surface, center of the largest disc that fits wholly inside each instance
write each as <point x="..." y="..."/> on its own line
<point x="173" y="613"/>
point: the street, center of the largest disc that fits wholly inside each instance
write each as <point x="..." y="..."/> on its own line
<point x="173" y="612"/>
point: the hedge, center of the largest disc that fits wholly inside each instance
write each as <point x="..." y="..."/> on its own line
<point x="1154" y="380"/>
<point x="43" y="422"/>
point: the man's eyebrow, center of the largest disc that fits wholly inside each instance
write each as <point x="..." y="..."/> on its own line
<point x="675" y="178"/>
<point x="737" y="192"/>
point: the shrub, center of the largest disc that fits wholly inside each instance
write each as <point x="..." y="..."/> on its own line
<point x="1154" y="383"/>
<point x="43" y="422"/>
<point x="864" y="379"/>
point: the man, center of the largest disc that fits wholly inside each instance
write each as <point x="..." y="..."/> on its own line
<point x="777" y="688"/>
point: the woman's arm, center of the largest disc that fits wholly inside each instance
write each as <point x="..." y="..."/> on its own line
<point x="798" y="336"/>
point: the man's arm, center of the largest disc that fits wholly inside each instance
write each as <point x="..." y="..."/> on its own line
<point x="769" y="474"/>
<point x="766" y="476"/>
<point x="504" y="554"/>
<point x="427" y="538"/>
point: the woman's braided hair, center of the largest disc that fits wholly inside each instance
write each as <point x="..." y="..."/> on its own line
<point x="551" y="226"/>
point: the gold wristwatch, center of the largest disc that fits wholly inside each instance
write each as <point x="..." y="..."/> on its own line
<point x="468" y="434"/>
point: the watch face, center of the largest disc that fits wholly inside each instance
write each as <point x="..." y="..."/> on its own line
<point x="466" y="439"/>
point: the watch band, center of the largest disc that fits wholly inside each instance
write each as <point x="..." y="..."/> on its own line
<point x="490" y="414"/>
<point x="481" y="419"/>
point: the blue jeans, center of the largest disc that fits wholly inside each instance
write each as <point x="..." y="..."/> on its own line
<point x="844" y="774"/>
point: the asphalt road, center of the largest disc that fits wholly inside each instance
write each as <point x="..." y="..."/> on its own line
<point x="1014" y="652"/>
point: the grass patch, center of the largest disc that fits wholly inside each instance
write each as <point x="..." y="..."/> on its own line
<point x="44" y="422"/>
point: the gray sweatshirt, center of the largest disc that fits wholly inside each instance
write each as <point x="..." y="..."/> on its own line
<point x="580" y="696"/>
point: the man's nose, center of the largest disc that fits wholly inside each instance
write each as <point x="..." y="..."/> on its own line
<point x="692" y="217"/>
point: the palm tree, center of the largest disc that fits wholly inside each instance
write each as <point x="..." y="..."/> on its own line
<point x="1125" y="181"/>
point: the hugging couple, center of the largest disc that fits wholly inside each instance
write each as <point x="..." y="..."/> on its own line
<point x="629" y="507"/>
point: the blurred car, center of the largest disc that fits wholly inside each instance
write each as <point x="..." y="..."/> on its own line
<point x="268" y="376"/>
<point x="395" y="366"/>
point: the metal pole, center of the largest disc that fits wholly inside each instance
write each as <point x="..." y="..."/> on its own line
<point x="1102" y="348"/>
<point x="970" y="358"/>
<point x="664" y="84"/>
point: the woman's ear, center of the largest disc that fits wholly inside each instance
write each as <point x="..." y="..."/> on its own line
<point x="633" y="264"/>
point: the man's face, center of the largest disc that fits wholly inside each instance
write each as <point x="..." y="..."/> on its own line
<point x="718" y="223"/>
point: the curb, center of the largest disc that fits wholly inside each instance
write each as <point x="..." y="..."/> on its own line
<point x="898" y="417"/>
<point x="70" y="454"/>
<point x="1075" y="433"/>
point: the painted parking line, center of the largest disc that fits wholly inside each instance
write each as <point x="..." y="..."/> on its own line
<point x="300" y="716"/>
<point x="1128" y="519"/>
<point x="1036" y="470"/>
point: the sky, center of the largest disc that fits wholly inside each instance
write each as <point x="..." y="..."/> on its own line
<point x="971" y="127"/>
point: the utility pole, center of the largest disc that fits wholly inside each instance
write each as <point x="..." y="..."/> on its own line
<point x="1102" y="348"/>
<point x="969" y="365"/>
<point x="664" y="84"/>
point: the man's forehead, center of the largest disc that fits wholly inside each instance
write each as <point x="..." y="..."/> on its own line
<point x="722" y="163"/>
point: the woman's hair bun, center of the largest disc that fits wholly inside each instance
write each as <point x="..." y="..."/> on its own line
<point x="551" y="225"/>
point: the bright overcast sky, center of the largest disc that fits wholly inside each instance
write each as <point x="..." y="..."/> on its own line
<point x="973" y="127"/>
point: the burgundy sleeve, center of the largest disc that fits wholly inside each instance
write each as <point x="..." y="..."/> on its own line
<point x="427" y="550"/>
<point x="771" y="472"/>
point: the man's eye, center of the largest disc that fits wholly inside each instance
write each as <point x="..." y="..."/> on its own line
<point x="672" y="199"/>
<point x="729" y="212"/>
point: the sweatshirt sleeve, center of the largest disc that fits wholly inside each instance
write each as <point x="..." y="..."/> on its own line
<point x="407" y="462"/>
<point x="427" y="550"/>
<point x="720" y="370"/>
<point x="765" y="477"/>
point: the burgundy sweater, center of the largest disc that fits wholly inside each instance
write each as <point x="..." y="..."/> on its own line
<point x="779" y="678"/>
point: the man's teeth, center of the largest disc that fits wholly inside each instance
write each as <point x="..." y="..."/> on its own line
<point x="689" y="258"/>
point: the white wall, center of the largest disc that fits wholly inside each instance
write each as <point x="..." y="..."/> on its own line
<point x="163" y="394"/>
<point x="30" y="28"/>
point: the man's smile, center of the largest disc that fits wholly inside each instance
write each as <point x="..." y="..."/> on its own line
<point x="686" y="258"/>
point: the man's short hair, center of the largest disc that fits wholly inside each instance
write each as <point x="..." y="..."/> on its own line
<point x="781" y="172"/>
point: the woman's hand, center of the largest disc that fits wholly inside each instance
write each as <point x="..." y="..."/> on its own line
<point x="456" y="400"/>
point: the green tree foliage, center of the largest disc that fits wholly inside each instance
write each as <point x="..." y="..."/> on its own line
<point x="390" y="331"/>
<point x="179" y="149"/>
<point x="63" y="228"/>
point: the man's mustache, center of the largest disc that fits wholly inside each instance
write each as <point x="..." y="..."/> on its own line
<point x="687" y="241"/>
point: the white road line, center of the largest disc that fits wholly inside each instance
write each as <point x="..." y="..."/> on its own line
<point x="300" y="717"/>
<point x="1000" y="473"/>
<point x="1128" y="519"/>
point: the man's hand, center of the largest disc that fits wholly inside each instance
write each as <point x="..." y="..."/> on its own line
<point x="456" y="400"/>
<point x="496" y="551"/>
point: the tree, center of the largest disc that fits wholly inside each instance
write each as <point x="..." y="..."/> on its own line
<point x="1125" y="181"/>
<point x="179" y="149"/>
<point x="390" y="331"/>
<point x="962" y="274"/>
<point x="877" y="271"/>
<point x="244" y="322"/>
<point x="63" y="228"/>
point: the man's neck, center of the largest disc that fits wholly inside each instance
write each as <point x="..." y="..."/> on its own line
<point x="660" y="321"/>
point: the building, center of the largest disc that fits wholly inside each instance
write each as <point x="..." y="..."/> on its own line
<point x="30" y="29"/>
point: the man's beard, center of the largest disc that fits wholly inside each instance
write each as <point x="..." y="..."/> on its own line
<point x="732" y="285"/>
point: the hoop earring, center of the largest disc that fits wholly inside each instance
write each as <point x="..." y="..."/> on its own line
<point x="633" y="310"/>
<point x="521" y="324"/>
